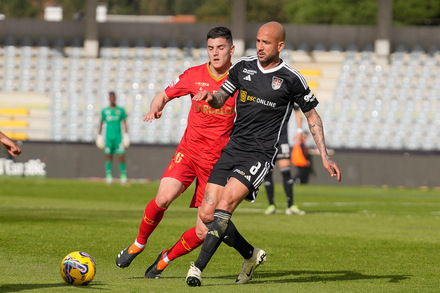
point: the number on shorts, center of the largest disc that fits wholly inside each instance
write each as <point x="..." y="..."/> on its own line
<point x="285" y="148"/>
<point x="254" y="169"/>
<point x="179" y="157"/>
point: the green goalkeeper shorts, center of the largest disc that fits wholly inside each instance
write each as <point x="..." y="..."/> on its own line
<point x="114" y="147"/>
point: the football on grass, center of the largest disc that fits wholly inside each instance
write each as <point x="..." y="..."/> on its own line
<point x="78" y="268"/>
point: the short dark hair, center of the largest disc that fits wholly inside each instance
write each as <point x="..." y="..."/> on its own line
<point x="112" y="93"/>
<point x="220" y="32"/>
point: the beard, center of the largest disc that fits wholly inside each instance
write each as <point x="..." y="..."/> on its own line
<point x="266" y="59"/>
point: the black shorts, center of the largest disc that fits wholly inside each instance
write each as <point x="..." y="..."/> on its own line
<point x="247" y="167"/>
<point x="283" y="147"/>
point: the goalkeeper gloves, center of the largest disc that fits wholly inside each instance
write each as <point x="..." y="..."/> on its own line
<point x="100" y="143"/>
<point x="126" y="140"/>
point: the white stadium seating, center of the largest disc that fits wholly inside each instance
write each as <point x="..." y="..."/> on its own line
<point x="364" y="104"/>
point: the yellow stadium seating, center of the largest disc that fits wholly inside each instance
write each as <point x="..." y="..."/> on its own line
<point x="14" y="123"/>
<point x="313" y="84"/>
<point x="310" y="72"/>
<point x="14" y="112"/>
<point x="16" y="135"/>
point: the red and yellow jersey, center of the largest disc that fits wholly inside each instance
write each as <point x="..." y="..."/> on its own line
<point x="208" y="129"/>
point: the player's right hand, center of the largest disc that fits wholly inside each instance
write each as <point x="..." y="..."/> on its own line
<point x="100" y="143"/>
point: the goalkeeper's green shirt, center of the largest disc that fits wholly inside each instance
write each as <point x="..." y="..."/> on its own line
<point x="113" y="118"/>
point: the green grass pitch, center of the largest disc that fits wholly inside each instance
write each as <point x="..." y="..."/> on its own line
<point x="352" y="239"/>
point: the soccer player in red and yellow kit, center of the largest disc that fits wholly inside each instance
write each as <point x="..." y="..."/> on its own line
<point x="206" y="134"/>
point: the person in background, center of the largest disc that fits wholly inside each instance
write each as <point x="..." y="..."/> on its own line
<point x="115" y="141"/>
<point x="302" y="160"/>
<point x="283" y="160"/>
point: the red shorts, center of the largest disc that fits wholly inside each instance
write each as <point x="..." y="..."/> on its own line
<point x="185" y="169"/>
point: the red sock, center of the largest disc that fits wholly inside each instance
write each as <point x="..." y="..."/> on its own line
<point x="187" y="243"/>
<point x="152" y="217"/>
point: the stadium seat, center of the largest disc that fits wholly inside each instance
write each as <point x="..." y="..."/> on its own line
<point x="319" y="47"/>
<point x="310" y="72"/>
<point x="12" y="123"/>
<point x="124" y="49"/>
<point x="10" y="52"/>
<point x="10" y="41"/>
<point x="156" y="49"/>
<point x="14" y="112"/>
<point x="16" y="135"/>
<point x="188" y="49"/>
<point x="433" y="50"/>
<point x="286" y="54"/>
<point x="303" y="47"/>
<point x="106" y="48"/>
<point x="75" y="49"/>
<point x="42" y="42"/>
<point x="353" y="48"/>
<point x="140" y="49"/>
<point x="336" y="48"/>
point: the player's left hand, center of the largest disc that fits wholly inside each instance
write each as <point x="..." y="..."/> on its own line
<point x="331" y="167"/>
<point x="12" y="148"/>
<point x="202" y="95"/>
<point x="126" y="140"/>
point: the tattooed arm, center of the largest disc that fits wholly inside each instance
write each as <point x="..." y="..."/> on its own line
<point x="317" y="130"/>
<point x="216" y="100"/>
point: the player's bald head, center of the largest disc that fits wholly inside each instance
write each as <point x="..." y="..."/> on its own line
<point x="275" y="29"/>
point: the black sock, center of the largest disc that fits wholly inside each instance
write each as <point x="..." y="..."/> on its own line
<point x="268" y="183"/>
<point x="213" y="238"/>
<point x="209" y="224"/>
<point x="234" y="239"/>
<point x="288" y="185"/>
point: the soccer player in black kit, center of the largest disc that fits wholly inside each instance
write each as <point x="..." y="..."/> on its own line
<point x="268" y="88"/>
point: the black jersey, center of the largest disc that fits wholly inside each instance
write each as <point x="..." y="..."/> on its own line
<point x="264" y="103"/>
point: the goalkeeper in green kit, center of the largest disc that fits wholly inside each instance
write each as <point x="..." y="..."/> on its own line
<point x="115" y="142"/>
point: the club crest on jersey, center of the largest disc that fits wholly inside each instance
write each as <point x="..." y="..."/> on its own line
<point x="276" y="82"/>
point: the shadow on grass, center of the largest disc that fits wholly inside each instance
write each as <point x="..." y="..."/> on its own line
<point x="263" y="277"/>
<point x="327" y="276"/>
<point x="317" y="276"/>
<point x="23" y="287"/>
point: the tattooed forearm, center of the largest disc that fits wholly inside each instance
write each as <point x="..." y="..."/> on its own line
<point x="218" y="99"/>
<point x="209" y="199"/>
<point x="316" y="129"/>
